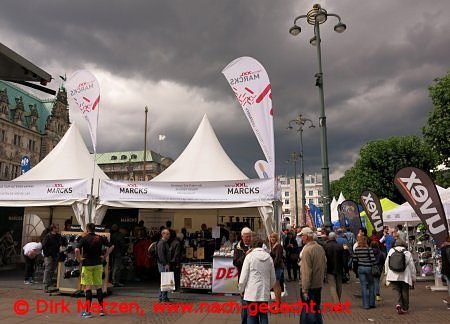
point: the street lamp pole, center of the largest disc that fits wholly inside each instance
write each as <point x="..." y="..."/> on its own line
<point x="294" y="158"/>
<point x="144" y="172"/>
<point x="300" y="121"/>
<point x="317" y="16"/>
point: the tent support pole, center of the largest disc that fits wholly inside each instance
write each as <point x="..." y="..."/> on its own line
<point x="275" y="216"/>
<point x="50" y="221"/>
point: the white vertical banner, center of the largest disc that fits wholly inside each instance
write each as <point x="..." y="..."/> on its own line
<point x="251" y="85"/>
<point x="84" y="90"/>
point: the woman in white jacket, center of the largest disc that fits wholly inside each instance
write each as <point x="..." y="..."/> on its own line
<point x="401" y="280"/>
<point x="256" y="280"/>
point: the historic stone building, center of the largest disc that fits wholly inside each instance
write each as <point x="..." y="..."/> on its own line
<point x="313" y="194"/>
<point x="130" y="165"/>
<point x="29" y="126"/>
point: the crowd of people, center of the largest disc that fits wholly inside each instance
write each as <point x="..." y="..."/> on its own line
<point x="315" y="257"/>
<point x="309" y="256"/>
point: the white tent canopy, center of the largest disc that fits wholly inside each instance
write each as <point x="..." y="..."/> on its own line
<point x="204" y="159"/>
<point x="333" y="207"/>
<point x="70" y="159"/>
<point x="406" y="214"/>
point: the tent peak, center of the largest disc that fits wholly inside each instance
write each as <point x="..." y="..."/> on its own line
<point x="203" y="159"/>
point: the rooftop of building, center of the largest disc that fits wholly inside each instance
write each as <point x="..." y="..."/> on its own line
<point x="129" y="156"/>
<point x="43" y="106"/>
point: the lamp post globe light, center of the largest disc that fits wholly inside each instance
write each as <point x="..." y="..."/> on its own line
<point x="293" y="158"/>
<point x="317" y="16"/>
<point x="301" y="121"/>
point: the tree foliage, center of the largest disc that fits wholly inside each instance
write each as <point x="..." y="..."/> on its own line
<point x="436" y="132"/>
<point x="378" y="163"/>
<point x="437" y="129"/>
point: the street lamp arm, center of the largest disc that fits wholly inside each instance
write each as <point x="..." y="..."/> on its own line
<point x="335" y="15"/>
<point x="299" y="17"/>
<point x="301" y="121"/>
<point x="317" y="15"/>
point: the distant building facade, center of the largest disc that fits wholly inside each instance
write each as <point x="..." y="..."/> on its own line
<point x="313" y="194"/>
<point x="29" y="126"/>
<point x="129" y="165"/>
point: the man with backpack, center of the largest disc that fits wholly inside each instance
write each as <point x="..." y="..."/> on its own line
<point x="401" y="273"/>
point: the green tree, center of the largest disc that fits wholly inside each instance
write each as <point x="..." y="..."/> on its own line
<point x="378" y="163"/>
<point x="436" y="132"/>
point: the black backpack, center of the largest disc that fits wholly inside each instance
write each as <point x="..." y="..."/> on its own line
<point x="397" y="261"/>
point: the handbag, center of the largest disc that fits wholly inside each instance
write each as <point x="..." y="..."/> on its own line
<point x="376" y="271"/>
<point x="167" y="281"/>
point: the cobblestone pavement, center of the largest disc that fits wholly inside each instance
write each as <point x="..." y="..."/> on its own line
<point x="426" y="307"/>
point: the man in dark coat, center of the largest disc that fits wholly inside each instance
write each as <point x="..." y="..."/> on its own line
<point x="50" y="246"/>
<point x="120" y="248"/>
<point x="335" y="267"/>
<point x="163" y="250"/>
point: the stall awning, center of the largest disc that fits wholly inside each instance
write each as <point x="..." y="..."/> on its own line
<point x="15" y="68"/>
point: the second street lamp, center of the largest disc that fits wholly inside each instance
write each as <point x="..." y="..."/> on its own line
<point x="317" y="16"/>
<point x="301" y="121"/>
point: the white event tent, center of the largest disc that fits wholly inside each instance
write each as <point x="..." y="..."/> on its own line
<point x="69" y="160"/>
<point x="203" y="160"/>
<point x="334" y="205"/>
<point x="406" y="214"/>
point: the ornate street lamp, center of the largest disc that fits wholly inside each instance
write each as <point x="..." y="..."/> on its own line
<point x="317" y="16"/>
<point x="301" y="121"/>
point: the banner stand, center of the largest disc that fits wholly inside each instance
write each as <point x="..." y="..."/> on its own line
<point x="438" y="284"/>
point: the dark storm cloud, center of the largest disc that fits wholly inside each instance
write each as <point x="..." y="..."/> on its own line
<point x="376" y="73"/>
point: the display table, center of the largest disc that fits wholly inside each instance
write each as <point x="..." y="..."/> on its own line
<point x="67" y="283"/>
<point x="196" y="275"/>
<point x="225" y="275"/>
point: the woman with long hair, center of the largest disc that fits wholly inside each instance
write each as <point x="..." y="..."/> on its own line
<point x="365" y="258"/>
<point x="276" y="252"/>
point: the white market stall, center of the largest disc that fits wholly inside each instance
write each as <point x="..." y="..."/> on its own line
<point x="405" y="214"/>
<point x="202" y="178"/>
<point x="61" y="181"/>
<point x="50" y="183"/>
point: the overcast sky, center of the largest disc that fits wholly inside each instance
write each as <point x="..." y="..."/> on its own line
<point x="168" y="55"/>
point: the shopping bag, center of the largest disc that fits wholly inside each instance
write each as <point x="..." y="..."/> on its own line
<point x="167" y="281"/>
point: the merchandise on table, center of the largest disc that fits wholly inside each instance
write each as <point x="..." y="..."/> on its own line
<point x="196" y="276"/>
<point x="227" y="252"/>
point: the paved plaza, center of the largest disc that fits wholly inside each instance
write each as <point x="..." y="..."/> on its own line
<point x="426" y="305"/>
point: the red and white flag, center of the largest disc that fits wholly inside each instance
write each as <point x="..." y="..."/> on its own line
<point x="84" y="90"/>
<point x="251" y="85"/>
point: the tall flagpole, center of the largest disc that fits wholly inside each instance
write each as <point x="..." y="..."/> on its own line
<point x="91" y="198"/>
<point x="145" y="145"/>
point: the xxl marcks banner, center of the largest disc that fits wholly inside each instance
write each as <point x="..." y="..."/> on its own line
<point x="44" y="190"/>
<point x="84" y="90"/>
<point x="251" y="85"/>
<point x="420" y="192"/>
<point x="213" y="191"/>
<point x="374" y="211"/>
